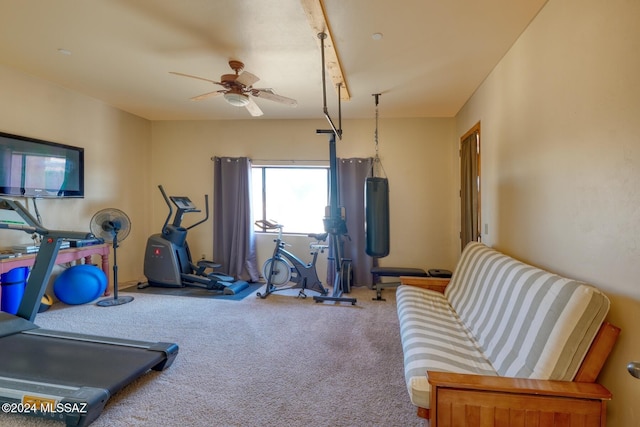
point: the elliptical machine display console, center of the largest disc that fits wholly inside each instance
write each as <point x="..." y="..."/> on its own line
<point x="168" y="262"/>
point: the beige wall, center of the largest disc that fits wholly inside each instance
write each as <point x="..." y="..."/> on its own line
<point x="561" y="161"/>
<point x="116" y="154"/>
<point x="417" y="155"/>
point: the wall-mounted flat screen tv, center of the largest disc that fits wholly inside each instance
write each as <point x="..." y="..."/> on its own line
<point x="34" y="168"/>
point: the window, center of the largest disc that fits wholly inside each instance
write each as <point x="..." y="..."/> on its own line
<point x="295" y="197"/>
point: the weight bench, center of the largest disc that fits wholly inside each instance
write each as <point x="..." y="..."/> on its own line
<point x="378" y="272"/>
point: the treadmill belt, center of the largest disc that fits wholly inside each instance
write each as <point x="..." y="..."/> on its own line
<point x="74" y="363"/>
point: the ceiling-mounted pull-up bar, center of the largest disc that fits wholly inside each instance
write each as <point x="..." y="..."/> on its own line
<point x="337" y="131"/>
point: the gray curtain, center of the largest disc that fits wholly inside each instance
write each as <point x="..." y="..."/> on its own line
<point x="469" y="190"/>
<point x="234" y="240"/>
<point x="351" y="178"/>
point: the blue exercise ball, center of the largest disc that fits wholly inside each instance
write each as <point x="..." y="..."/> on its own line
<point x="80" y="284"/>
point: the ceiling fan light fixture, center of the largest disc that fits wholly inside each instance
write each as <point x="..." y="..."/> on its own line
<point x="236" y="99"/>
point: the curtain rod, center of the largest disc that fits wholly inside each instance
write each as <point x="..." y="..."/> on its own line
<point x="281" y="161"/>
<point x="285" y="163"/>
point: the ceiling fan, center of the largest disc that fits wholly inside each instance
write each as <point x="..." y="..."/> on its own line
<point x="239" y="91"/>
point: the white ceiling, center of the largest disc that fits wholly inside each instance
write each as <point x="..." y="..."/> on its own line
<point x="432" y="56"/>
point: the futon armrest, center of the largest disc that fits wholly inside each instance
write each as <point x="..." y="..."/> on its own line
<point x="438" y="284"/>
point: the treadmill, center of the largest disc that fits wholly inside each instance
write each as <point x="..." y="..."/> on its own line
<point x="61" y="375"/>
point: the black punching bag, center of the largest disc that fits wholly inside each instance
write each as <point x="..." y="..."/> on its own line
<point x="376" y="206"/>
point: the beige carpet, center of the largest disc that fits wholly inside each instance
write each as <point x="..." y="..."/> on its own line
<point x="281" y="361"/>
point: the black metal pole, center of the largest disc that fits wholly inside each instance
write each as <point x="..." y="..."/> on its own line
<point x="115" y="266"/>
<point x="334" y="224"/>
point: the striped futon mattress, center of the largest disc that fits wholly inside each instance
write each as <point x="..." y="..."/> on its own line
<point x="498" y="316"/>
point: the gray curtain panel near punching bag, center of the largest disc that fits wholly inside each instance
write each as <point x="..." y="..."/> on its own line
<point x="377" y="216"/>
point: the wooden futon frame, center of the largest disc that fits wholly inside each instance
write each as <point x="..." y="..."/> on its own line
<point x="462" y="400"/>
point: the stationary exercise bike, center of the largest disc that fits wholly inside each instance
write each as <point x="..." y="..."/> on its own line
<point x="284" y="267"/>
<point x="168" y="262"/>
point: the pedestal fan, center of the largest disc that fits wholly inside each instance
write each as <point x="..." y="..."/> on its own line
<point x="113" y="226"/>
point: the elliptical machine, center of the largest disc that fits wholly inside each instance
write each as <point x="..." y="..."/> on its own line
<point x="168" y="262"/>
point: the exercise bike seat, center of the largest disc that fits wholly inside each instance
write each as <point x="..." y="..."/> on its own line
<point x="321" y="237"/>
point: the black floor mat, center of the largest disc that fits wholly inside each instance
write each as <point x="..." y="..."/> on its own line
<point x="197" y="292"/>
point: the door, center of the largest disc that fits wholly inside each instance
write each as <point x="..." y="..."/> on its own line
<point x="470" y="186"/>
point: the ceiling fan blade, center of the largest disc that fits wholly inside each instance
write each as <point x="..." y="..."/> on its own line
<point x="253" y="108"/>
<point x="247" y="79"/>
<point x="273" y="97"/>
<point x="207" y="95"/>
<point x="195" y="77"/>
